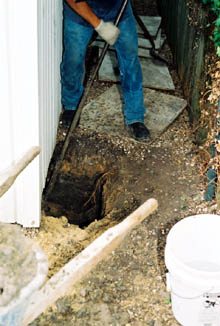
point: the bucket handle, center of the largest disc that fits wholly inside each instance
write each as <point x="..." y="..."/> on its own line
<point x="169" y="289"/>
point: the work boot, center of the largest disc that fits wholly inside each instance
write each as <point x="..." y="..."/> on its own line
<point x="67" y="118"/>
<point x="139" y="131"/>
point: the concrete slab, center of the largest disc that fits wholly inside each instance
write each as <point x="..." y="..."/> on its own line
<point x="155" y="74"/>
<point x="144" y="42"/>
<point x="152" y="24"/>
<point x="104" y="114"/>
<point x="145" y="53"/>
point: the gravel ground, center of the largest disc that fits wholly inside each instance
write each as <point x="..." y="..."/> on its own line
<point x="129" y="287"/>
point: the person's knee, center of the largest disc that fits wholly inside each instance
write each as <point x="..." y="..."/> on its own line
<point x="75" y="43"/>
<point x="128" y="44"/>
<point x="76" y="59"/>
<point x="72" y="69"/>
<point x="131" y="51"/>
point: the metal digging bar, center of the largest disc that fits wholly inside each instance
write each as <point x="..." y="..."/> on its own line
<point x="80" y="108"/>
<point x="153" y="51"/>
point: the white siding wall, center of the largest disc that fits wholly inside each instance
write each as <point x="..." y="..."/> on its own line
<point x="50" y="51"/>
<point x="30" y="51"/>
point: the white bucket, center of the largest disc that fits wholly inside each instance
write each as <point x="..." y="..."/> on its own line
<point x="192" y="257"/>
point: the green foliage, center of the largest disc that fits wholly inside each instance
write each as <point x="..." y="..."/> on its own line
<point x="214" y="6"/>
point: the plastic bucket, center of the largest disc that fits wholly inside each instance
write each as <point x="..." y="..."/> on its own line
<point x="23" y="269"/>
<point x="192" y="257"/>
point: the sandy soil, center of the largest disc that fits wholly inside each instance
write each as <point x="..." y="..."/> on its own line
<point x="129" y="287"/>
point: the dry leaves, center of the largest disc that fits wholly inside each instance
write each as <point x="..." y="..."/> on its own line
<point x="214" y="73"/>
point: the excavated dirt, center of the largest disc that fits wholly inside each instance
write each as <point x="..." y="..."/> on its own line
<point x="129" y="287"/>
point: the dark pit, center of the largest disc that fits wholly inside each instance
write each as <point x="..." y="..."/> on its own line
<point x="89" y="181"/>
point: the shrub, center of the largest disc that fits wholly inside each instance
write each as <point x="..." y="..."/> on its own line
<point x="214" y="6"/>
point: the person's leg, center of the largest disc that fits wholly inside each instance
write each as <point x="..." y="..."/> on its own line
<point x="131" y="74"/>
<point x="75" y="41"/>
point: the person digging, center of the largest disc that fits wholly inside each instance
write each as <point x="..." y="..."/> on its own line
<point x="80" y="19"/>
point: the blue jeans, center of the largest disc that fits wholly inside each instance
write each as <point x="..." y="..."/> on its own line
<point x="76" y="38"/>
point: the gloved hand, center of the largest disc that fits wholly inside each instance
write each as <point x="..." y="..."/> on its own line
<point x="108" y="31"/>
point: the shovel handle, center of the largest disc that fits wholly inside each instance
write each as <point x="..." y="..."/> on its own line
<point x="61" y="283"/>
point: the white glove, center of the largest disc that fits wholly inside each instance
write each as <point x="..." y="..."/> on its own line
<point x="108" y="31"/>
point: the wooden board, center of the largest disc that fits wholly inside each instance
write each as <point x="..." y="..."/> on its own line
<point x="60" y="284"/>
